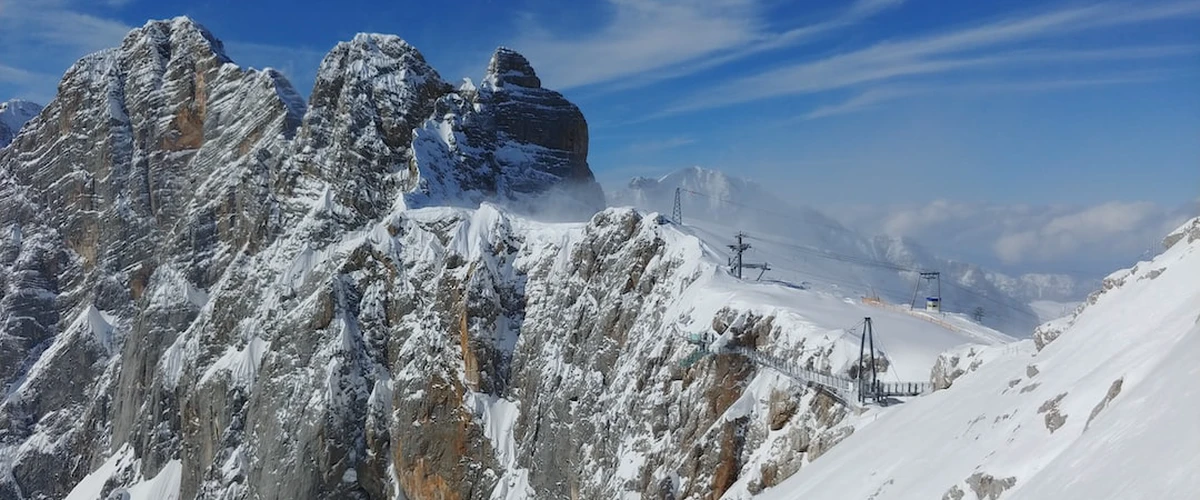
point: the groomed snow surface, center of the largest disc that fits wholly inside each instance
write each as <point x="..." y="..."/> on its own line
<point x="1108" y="410"/>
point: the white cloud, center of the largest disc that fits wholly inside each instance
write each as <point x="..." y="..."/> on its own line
<point x="1037" y="237"/>
<point x="877" y="95"/>
<point x="944" y="53"/>
<point x="17" y="75"/>
<point x="55" y="25"/>
<point x="861" y="101"/>
<point x="653" y="146"/>
<point x="647" y="41"/>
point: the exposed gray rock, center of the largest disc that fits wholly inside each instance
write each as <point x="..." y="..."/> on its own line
<point x="948" y="366"/>
<point x="987" y="487"/>
<point x="510" y="139"/>
<point x="1054" y="419"/>
<point x="1113" y="391"/>
<point x="1189" y="230"/>
<point x="370" y="93"/>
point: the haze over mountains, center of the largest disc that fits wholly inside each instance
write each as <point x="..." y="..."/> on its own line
<point x="807" y="245"/>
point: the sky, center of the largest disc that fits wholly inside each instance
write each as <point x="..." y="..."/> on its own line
<point x="868" y="109"/>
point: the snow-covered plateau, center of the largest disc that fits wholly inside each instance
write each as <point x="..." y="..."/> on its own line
<point x="211" y="288"/>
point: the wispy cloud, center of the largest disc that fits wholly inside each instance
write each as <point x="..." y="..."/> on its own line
<point x="40" y="39"/>
<point x="17" y="75"/>
<point x="55" y="25"/>
<point x="647" y="41"/>
<point x="874" y="96"/>
<point x="948" y="52"/>
<point x="655" y="146"/>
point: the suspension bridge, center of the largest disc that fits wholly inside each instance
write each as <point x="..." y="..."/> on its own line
<point x="859" y="391"/>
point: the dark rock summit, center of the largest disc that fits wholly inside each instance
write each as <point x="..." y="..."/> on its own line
<point x="510" y="139"/>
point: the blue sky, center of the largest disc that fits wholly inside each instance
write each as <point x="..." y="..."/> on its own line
<point x="882" y="103"/>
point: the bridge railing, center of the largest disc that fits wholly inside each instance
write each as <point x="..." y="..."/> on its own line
<point x="845" y="388"/>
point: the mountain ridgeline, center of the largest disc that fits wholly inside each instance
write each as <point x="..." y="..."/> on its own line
<point x="211" y="286"/>
<point x="170" y="224"/>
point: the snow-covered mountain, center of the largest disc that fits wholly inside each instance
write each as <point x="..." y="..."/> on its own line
<point x="210" y="288"/>
<point x="803" y="244"/>
<point x="13" y="115"/>
<point x="1104" y="407"/>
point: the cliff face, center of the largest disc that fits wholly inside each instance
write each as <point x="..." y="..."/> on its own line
<point x="208" y="286"/>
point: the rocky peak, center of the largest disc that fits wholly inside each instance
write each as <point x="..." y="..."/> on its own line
<point x="170" y="35"/>
<point x="370" y="93"/>
<point x="380" y="76"/>
<point x="146" y="220"/>
<point x="13" y="115"/>
<point x="509" y="140"/>
<point x="509" y="67"/>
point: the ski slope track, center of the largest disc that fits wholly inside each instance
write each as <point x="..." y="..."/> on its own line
<point x="1105" y="409"/>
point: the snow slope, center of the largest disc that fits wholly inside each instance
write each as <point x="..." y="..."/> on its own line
<point x="1107" y="409"/>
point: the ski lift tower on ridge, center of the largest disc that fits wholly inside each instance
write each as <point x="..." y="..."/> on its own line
<point x="933" y="280"/>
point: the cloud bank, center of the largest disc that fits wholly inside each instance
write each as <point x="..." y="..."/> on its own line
<point x="1090" y="240"/>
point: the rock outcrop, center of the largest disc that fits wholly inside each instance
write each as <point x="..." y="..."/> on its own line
<point x="507" y="140"/>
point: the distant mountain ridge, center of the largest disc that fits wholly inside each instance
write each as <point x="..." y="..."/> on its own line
<point x="741" y="204"/>
<point x="13" y="115"/>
